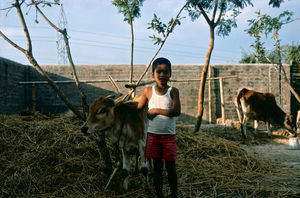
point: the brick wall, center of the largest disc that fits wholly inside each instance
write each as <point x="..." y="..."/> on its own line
<point x="13" y="98"/>
<point x="261" y="77"/>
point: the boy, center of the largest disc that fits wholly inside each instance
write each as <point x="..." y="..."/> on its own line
<point x="164" y="105"/>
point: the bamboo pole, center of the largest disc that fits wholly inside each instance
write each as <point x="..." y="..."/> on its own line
<point x="209" y="96"/>
<point x="115" y="85"/>
<point x="222" y="100"/>
<point x="121" y="80"/>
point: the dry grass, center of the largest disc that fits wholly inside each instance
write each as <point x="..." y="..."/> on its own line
<point x="42" y="156"/>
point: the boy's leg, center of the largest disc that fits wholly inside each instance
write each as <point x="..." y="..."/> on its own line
<point x="172" y="178"/>
<point x="157" y="177"/>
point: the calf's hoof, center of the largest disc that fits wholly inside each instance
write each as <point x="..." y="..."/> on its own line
<point x="123" y="173"/>
<point x="106" y="170"/>
<point x="144" y="171"/>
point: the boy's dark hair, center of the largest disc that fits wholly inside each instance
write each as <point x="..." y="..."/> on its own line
<point x="160" y="61"/>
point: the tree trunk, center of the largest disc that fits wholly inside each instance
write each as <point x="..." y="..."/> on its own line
<point x="203" y="79"/>
<point x="54" y="86"/>
<point x="131" y="58"/>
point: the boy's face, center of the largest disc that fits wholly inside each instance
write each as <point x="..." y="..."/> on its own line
<point x="161" y="74"/>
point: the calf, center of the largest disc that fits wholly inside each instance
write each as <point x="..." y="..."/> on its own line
<point x="262" y="107"/>
<point x="123" y="125"/>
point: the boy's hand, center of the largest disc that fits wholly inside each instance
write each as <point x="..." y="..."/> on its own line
<point x="151" y="114"/>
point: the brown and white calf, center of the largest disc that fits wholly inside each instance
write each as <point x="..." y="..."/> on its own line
<point x="124" y="127"/>
<point x="262" y="107"/>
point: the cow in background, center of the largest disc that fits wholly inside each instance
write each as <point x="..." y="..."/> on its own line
<point x="262" y="107"/>
<point x="123" y="125"/>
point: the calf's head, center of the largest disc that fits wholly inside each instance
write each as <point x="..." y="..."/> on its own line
<point x="101" y="116"/>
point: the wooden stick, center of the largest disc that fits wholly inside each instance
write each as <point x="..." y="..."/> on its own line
<point x="102" y="80"/>
<point x="115" y="85"/>
<point x="222" y="100"/>
<point x="110" y="178"/>
<point x="209" y="95"/>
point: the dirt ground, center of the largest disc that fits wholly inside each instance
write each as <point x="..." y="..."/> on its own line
<point x="275" y="149"/>
<point x="279" y="151"/>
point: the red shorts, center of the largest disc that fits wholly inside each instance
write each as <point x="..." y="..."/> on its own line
<point x="161" y="146"/>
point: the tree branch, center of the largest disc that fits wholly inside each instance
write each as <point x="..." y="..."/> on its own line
<point x="35" y="3"/>
<point x="204" y="14"/>
<point x="25" y="29"/>
<point x="286" y="80"/>
<point x="221" y="12"/>
<point x="12" y="43"/>
<point x="162" y="43"/>
<point x="214" y="11"/>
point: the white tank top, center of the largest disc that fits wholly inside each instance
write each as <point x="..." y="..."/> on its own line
<point x="161" y="124"/>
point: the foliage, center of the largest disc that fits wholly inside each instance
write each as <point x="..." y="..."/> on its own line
<point x="196" y="8"/>
<point x="162" y="28"/>
<point x="248" y="58"/>
<point x="293" y="53"/>
<point x="288" y="52"/>
<point x="276" y="3"/>
<point x="129" y="8"/>
<point x="264" y="25"/>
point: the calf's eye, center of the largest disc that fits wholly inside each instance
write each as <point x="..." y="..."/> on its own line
<point x="102" y="111"/>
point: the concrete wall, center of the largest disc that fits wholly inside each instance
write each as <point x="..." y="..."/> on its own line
<point x="261" y="77"/>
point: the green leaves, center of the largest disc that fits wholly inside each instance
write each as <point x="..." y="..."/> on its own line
<point x="161" y="28"/>
<point x="264" y="25"/>
<point x="275" y="3"/>
<point x="225" y="27"/>
<point x="129" y="8"/>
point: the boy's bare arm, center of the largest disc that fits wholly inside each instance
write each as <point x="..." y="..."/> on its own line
<point x="174" y="111"/>
<point x="144" y="99"/>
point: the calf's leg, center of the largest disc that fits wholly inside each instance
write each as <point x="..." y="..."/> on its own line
<point x="255" y="126"/>
<point x="141" y="147"/>
<point x="243" y="127"/>
<point x="126" y="169"/>
<point x="269" y="129"/>
<point x="105" y="154"/>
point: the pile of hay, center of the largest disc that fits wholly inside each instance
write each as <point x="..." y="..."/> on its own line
<point x="47" y="156"/>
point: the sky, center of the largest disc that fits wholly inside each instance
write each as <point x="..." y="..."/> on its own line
<point x="98" y="34"/>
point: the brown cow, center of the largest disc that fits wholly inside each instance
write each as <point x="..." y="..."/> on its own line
<point x="124" y="126"/>
<point x="262" y="107"/>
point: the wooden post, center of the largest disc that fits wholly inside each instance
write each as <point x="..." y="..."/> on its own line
<point x="209" y="96"/>
<point x="33" y="97"/>
<point x="270" y="78"/>
<point x="298" y="121"/>
<point x="222" y="100"/>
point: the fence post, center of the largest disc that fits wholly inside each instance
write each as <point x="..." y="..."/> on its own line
<point x="209" y="96"/>
<point x="33" y="97"/>
<point x="222" y="100"/>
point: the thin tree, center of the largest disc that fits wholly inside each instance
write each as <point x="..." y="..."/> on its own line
<point x="264" y="25"/>
<point x="131" y="10"/>
<point x="163" y="30"/>
<point x="29" y="55"/>
<point x="218" y="10"/>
